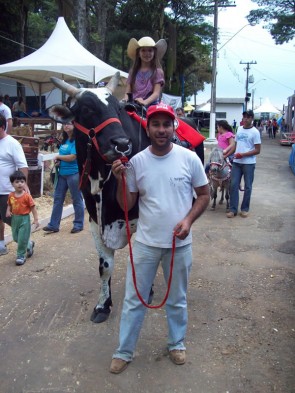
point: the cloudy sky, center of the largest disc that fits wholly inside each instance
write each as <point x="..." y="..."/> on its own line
<point x="274" y="75"/>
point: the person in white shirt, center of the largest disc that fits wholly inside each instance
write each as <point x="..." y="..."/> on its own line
<point x="12" y="157"/>
<point x="247" y="146"/>
<point x="162" y="178"/>
<point x="6" y="112"/>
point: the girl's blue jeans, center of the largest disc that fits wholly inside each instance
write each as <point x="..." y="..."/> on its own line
<point x="146" y="261"/>
<point x="64" y="183"/>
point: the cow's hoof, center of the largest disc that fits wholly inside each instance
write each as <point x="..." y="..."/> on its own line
<point x="100" y="315"/>
<point x="212" y="208"/>
<point x="151" y="295"/>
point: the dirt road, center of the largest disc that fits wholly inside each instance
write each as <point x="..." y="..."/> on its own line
<point x="241" y="306"/>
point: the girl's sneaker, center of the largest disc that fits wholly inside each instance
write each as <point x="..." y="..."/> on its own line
<point x="20" y="261"/>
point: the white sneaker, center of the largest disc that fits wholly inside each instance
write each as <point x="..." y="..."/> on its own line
<point x="244" y="214"/>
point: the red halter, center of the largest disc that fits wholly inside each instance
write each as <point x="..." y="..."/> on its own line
<point x="92" y="138"/>
<point x="96" y="130"/>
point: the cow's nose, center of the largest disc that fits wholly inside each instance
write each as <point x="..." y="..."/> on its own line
<point x="122" y="145"/>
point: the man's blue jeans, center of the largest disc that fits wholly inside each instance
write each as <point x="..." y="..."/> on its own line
<point x="146" y="262"/>
<point x="239" y="170"/>
<point x="64" y="183"/>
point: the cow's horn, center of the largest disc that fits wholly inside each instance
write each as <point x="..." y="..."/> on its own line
<point x="114" y="81"/>
<point x="65" y="87"/>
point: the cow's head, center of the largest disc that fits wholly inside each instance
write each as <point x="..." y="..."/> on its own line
<point x="96" y="115"/>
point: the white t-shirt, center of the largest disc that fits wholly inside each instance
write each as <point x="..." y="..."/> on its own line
<point x="5" y="111"/>
<point x="246" y="138"/>
<point x="165" y="186"/>
<point x="12" y="157"/>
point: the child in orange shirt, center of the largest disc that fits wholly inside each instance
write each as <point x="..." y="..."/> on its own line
<point x="20" y="205"/>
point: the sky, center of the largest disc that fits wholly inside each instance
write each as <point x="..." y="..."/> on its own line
<point x="274" y="75"/>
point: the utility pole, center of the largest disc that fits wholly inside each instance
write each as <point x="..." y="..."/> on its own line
<point x="217" y="3"/>
<point x="248" y="95"/>
<point x="253" y="91"/>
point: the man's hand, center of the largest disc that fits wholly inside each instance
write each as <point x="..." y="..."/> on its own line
<point x="181" y="230"/>
<point x="238" y="156"/>
<point x="118" y="168"/>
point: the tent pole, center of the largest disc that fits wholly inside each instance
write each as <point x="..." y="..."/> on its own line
<point x="40" y="99"/>
<point x="63" y="94"/>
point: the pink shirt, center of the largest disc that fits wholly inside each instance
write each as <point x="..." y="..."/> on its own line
<point x="223" y="139"/>
<point x="144" y="83"/>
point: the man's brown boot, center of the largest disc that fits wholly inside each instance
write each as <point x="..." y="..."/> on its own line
<point x="118" y="365"/>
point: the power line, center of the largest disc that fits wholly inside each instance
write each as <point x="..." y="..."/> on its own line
<point x="272" y="79"/>
<point x="18" y="43"/>
<point x="262" y="43"/>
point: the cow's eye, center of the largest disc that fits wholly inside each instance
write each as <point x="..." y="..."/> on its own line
<point x="86" y="110"/>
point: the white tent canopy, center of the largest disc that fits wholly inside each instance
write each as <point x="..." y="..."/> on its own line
<point x="267" y="107"/>
<point x="61" y="56"/>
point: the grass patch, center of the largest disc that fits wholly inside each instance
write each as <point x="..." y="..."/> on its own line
<point x="205" y="132"/>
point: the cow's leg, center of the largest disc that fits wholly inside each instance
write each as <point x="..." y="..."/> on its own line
<point x="102" y="309"/>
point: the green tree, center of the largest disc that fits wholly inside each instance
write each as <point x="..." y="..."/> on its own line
<point x="9" y="32"/>
<point x="41" y="22"/>
<point x="279" y="16"/>
<point x="181" y="23"/>
<point x="105" y="26"/>
<point x="189" y="67"/>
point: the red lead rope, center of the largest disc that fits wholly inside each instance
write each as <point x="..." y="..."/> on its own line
<point x="124" y="159"/>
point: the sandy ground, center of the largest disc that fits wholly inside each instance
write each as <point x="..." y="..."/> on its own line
<point x="241" y="328"/>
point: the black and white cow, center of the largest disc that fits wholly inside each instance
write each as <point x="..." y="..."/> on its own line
<point x="104" y="132"/>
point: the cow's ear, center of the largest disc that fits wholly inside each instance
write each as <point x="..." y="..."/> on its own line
<point x="60" y="113"/>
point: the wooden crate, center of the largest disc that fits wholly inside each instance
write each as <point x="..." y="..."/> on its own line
<point x="30" y="146"/>
<point x="30" y="151"/>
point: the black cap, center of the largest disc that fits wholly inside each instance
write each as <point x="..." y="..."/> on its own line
<point x="248" y="113"/>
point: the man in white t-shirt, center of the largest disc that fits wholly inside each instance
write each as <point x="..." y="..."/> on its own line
<point x="12" y="157"/>
<point x="6" y="112"/>
<point x="247" y="146"/>
<point x="162" y="177"/>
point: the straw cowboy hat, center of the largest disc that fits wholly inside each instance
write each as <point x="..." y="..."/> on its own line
<point x="133" y="45"/>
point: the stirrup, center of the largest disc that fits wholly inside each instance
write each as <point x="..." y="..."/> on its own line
<point x="134" y="107"/>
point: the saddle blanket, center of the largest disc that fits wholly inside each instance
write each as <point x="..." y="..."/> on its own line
<point x="184" y="131"/>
